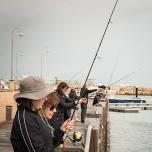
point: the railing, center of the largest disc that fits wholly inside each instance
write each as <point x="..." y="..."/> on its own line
<point x="96" y="131"/>
<point x="104" y="128"/>
<point x="130" y="104"/>
<point x="88" y="139"/>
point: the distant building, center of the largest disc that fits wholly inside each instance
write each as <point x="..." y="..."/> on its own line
<point x="3" y="85"/>
<point x="7" y="103"/>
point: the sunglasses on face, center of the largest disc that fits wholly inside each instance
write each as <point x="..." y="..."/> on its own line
<point x="52" y="107"/>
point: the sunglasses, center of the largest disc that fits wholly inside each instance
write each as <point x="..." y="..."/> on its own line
<point x="52" y="107"/>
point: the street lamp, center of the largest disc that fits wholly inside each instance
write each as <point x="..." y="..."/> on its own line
<point x="12" y="48"/>
<point x="17" y="55"/>
<point x="42" y="51"/>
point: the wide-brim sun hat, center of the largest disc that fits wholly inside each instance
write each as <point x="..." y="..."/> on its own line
<point x="33" y="87"/>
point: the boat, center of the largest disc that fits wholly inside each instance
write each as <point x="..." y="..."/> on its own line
<point x="133" y="100"/>
<point x="114" y="99"/>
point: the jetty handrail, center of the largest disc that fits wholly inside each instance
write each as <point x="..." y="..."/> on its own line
<point x="104" y="130"/>
<point x="106" y="123"/>
<point x="88" y="138"/>
<point x="130" y="104"/>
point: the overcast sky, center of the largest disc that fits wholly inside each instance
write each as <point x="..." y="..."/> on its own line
<point x="67" y="34"/>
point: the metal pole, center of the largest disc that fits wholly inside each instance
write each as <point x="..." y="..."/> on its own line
<point x="41" y="62"/>
<point x="12" y="55"/>
<point x="88" y="138"/>
<point x="12" y="49"/>
<point x="18" y="54"/>
<point x="16" y="66"/>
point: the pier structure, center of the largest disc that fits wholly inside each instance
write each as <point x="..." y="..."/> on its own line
<point x="95" y="130"/>
<point x="129" y="107"/>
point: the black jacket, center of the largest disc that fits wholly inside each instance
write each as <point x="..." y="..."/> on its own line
<point x="73" y="94"/>
<point x="30" y="134"/>
<point x="96" y="99"/>
<point x="62" y="113"/>
<point x="84" y="92"/>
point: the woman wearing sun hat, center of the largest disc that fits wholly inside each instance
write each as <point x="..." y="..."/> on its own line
<point x="29" y="133"/>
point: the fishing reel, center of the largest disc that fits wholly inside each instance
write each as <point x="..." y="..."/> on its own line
<point x="77" y="137"/>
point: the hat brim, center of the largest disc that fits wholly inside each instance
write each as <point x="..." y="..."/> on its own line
<point x="34" y="95"/>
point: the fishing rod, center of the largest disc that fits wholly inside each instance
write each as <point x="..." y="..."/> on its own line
<point x="125" y="77"/>
<point x="109" y="21"/>
<point x="122" y="78"/>
<point x="82" y="69"/>
<point x="96" y="54"/>
<point x="114" y="69"/>
<point x="128" y="80"/>
<point x="79" y="71"/>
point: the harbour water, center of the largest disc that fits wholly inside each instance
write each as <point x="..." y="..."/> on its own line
<point x="131" y="132"/>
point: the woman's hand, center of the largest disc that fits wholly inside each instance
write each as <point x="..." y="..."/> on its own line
<point x="68" y="125"/>
<point x="83" y="100"/>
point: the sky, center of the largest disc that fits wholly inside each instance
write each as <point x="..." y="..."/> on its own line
<point x="60" y="39"/>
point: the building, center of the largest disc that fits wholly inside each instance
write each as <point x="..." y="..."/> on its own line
<point x="7" y="103"/>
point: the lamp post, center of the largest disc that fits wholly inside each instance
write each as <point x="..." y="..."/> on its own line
<point x="17" y="55"/>
<point x="42" y="51"/>
<point x="12" y="47"/>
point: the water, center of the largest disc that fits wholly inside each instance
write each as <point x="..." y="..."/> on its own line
<point x="131" y="132"/>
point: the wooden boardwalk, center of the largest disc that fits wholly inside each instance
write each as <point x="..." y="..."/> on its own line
<point x="5" y="144"/>
<point x="99" y="138"/>
<point x="94" y="117"/>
